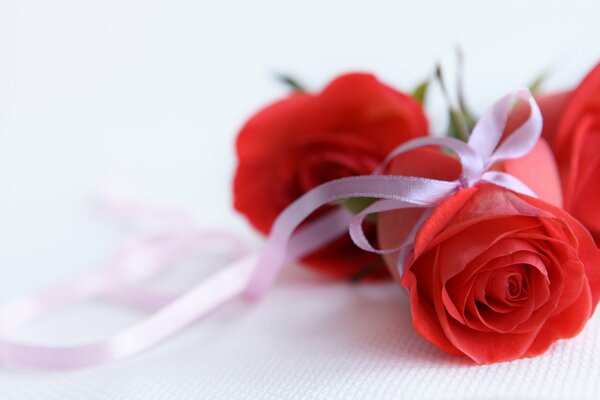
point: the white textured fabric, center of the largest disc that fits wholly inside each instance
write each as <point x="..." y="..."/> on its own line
<point x="152" y="92"/>
<point x="312" y="339"/>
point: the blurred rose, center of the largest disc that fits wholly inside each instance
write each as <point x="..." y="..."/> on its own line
<point x="572" y="127"/>
<point x="307" y="139"/>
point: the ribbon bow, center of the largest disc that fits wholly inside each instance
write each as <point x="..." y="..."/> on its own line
<point x="252" y="275"/>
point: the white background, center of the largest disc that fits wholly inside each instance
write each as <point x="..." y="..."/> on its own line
<point x="151" y="94"/>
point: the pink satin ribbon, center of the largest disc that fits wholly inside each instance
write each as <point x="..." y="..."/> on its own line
<point x="251" y="274"/>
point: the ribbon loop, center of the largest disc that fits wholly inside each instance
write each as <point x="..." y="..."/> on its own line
<point x="487" y="134"/>
<point x="356" y="226"/>
<point x="523" y="139"/>
<point x="488" y="131"/>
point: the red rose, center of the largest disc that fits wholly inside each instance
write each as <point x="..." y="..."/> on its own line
<point x="307" y="139"/>
<point x="496" y="275"/>
<point x="572" y="127"/>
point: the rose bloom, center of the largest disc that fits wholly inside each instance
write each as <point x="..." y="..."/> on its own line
<point x="497" y="276"/>
<point x="494" y="275"/>
<point x="572" y="127"/>
<point x="308" y="139"/>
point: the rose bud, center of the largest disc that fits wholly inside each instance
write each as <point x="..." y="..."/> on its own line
<point x="307" y="139"/>
<point x="495" y="275"/>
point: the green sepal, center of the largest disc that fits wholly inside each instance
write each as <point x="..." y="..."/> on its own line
<point x="292" y="83"/>
<point x="420" y="91"/>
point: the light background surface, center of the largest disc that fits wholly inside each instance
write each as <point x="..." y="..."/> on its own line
<point x="151" y="94"/>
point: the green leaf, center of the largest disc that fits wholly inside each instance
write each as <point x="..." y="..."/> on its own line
<point x="367" y="270"/>
<point x="467" y="116"/>
<point x="457" y="126"/>
<point x="292" y="83"/>
<point x="420" y="91"/>
<point x="357" y="204"/>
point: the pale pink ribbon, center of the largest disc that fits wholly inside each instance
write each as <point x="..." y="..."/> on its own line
<point x="252" y="274"/>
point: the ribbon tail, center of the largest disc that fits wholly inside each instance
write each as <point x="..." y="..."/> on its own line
<point x="222" y="286"/>
<point x="117" y="281"/>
